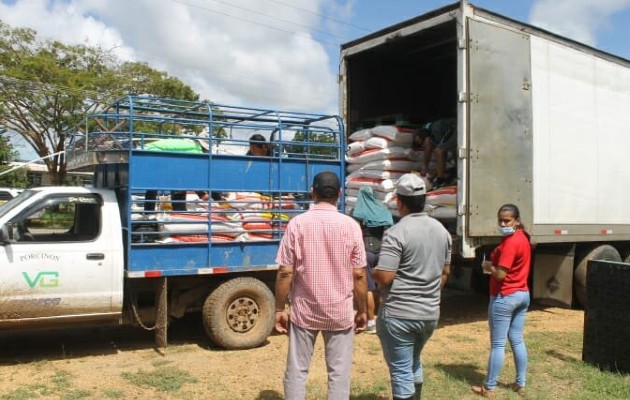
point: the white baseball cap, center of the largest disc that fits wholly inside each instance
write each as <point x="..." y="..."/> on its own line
<point x="411" y="185"/>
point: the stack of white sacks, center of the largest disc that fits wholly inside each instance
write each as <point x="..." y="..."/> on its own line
<point x="377" y="157"/>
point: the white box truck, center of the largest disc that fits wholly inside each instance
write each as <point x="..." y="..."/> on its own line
<point x="542" y="122"/>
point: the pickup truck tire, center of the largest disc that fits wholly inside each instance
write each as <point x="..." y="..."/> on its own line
<point x="239" y="314"/>
<point x="604" y="252"/>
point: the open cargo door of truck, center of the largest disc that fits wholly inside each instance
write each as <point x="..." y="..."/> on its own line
<point x="500" y="121"/>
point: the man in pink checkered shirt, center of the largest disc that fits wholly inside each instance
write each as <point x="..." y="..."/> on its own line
<point x="322" y="273"/>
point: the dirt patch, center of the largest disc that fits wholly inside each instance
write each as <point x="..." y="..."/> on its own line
<point x="101" y="363"/>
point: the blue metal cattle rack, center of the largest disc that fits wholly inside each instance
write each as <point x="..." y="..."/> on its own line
<point x="119" y="145"/>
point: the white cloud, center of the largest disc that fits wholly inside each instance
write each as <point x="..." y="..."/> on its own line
<point x="577" y="19"/>
<point x="243" y="52"/>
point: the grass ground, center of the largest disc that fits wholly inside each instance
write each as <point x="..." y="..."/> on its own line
<point x="122" y="363"/>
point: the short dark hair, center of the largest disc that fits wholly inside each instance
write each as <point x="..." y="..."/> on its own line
<point x="257" y="139"/>
<point x="326" y="185"/>
<point x="414" y="204"/>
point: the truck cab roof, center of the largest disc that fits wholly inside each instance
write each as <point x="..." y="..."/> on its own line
<point x="7" y="194"/>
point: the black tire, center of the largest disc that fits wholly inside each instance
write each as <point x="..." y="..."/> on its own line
<point x="604" y="252"/>
<point x="239" y="314"/>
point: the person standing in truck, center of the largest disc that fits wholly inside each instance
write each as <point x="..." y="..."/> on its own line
<point x="413" y="266"/>
<point x="508" y="268"/>
<point x="258" y="146"/>
<point x="439" y="138"/>
<point x="322" y="272"/>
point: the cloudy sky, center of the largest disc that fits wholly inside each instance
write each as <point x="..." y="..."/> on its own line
<point x="278" y="53"/>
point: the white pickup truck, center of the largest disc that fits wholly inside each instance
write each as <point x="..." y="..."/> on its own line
<point x="61" y="250"/>
<point x="7" y="194"/>
<point x="113" y="254"/>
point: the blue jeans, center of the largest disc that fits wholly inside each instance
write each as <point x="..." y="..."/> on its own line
<point x="506" y="315"/>
<point x="402" y="341"/>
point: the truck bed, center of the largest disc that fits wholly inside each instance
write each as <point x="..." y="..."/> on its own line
<point x="252" y="197"/>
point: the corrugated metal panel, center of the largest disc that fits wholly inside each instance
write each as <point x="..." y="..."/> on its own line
<point x="500" y="140"/>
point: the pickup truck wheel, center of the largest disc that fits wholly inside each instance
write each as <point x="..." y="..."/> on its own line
<point x="604" y="252"/>
<point x="239" y="314"/>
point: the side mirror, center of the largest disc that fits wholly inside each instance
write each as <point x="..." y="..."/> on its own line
<point x="6" y="235"/>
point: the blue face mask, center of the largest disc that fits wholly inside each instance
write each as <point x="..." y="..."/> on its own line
<point x="506" y="230"/>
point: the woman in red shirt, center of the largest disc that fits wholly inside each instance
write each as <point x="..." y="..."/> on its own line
<point x="509" y="267"/>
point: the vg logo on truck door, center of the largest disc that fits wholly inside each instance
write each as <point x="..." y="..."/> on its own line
<point x="47" y="267"/>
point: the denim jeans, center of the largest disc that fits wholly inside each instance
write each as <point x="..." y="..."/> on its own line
<point x="402" y="341"/>
<point x="506" y="316"/>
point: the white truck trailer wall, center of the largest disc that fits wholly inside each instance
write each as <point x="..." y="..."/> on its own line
<point x="581" y="130"/>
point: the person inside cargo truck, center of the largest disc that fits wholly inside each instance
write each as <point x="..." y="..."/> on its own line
<point x="258" y="146"/>
<point x="438" y="137"/>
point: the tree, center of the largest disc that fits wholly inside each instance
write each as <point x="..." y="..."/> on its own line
<point x="47" y="87"/>
<point x="320" y="144"/>
<point x="7" y="155"/>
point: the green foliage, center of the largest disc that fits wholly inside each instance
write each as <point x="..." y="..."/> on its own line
<point x="314" y="144"/>
<point x="8" y="154"/>
<point x="114" y="393"/>
<point x="59" y="385"/>
<point x="140" y="78"/>
<point x="555" y="371"/>
<point x="22" y="393"/>
<point x="47" y="87"/>
<point x="61" y="380"/>
<point x="76" y="394"/>
<point x="164" y="379"/>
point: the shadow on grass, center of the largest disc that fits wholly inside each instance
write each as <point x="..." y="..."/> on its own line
<point x="269" y="395"/>
<point x="562" y="357"/>
<point x="24" y="346"/>
<point x="468" y="373"/>
<point x="460" y="307"/>
<point x="273" y="395"/>
<point x="18" y="347"/>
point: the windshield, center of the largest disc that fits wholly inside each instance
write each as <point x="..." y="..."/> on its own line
<point x="11" y="204"/>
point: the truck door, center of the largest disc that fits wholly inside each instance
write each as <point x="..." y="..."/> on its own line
<point x="56" y="263"/>
<point x="500" y="125"/>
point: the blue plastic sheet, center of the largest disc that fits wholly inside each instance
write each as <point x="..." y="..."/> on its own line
<point x="370" y="211"/>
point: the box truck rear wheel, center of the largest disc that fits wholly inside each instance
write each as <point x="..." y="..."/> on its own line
<point x="604" y="252"/>
<point x="239" y="314"/>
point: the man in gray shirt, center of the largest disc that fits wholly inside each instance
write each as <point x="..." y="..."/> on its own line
<point x="413" y="266"/>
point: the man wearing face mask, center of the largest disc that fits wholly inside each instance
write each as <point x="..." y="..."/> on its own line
<point x="508" y="268"/>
